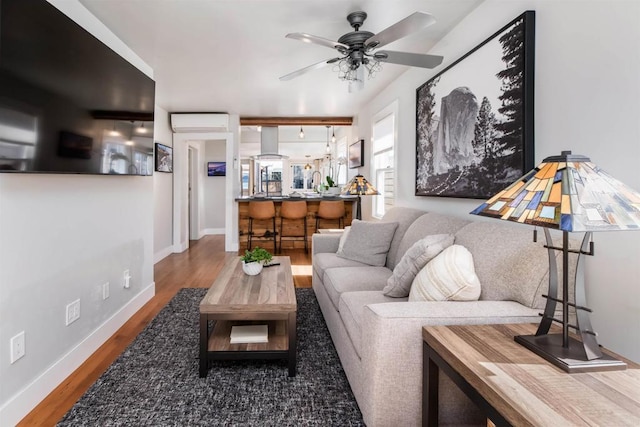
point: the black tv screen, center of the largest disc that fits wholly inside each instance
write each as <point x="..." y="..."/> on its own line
<point x="68" y="103"/>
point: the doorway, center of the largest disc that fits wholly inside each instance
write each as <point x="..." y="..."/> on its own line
<point x="188" y="203"/>
<point x="193" y="203"/>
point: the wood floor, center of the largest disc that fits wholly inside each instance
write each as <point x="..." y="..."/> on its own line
<point x="194" y="268"/>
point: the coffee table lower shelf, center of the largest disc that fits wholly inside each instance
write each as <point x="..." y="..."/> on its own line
<point x="215" y="342"/>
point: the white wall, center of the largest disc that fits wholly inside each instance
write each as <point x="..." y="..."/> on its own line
<point x="587" y="99"/>
<point x="162" y="192"/>
<point x="62" y="237"/>
<point x="214" y="189"/>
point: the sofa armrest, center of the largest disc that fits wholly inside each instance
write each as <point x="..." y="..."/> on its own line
<point x="325" y="243"/>
<point x="392" y="347"/>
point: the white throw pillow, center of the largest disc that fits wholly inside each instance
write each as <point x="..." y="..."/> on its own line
<point x="343" y="238"/>
<point x="450" y="276"/>
<point x="416" y="257"/>
<point x="368" y="242"/>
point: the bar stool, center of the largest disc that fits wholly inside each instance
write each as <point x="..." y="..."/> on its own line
<point x="262" y="210"/>
<point x="294" y="210"/>
<point x="331" y="210"/>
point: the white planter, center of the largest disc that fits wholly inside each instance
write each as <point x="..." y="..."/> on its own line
<point x="252" y="268"/>
<point x="334" y="191"/>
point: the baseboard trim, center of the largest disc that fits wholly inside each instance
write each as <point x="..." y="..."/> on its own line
<point x="162" y="254"/>
<point x="31" y="395"/>
<point x="210" y="231"/>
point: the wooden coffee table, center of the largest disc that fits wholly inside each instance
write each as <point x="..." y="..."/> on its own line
<point x="235" y="299"/>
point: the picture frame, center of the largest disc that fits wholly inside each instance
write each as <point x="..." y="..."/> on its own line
<point x="216" y="168"/>
<point x="356" y="154"/>
<point x="163" y="158"/>
<point x="474" y="119"/>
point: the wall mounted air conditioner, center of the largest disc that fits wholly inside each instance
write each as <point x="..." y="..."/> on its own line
<point x="199" y="122"/>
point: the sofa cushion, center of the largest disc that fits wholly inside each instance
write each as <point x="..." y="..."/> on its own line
<point x="368" y="242"/>
<point x="404" y="217"/>
<point x="510" y="266"/>
<point x="323" y="261"/>
<point x="448" y="277"/>
<point x="346" y="279"/>
<point x="351" y="307"/>
<point x="418" y="255"/>
<point x="428" y="224"/>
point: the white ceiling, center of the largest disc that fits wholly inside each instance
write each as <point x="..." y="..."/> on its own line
<point x="227" y="55"/>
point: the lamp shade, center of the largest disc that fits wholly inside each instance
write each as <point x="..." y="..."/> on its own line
<point x="569" y="193"/>
<point x="359" y="186"/>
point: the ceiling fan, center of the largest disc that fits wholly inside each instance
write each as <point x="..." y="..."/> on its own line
<point x="357" y="48"/>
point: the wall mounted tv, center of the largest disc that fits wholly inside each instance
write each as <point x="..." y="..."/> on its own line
<point x="68" y="103"/>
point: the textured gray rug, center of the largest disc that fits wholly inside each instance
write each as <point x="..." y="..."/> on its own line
<point x="155" y="381"/>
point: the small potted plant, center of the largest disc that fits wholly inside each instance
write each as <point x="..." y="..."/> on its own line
<point x="332" y="186"/>
<point x="254" y="260"/>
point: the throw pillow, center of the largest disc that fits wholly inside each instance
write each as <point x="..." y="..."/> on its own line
<point x="368" y="242"/>
<point x="416" y="257"/>
<point x="343" y="238"/>
<point x="448" y="277"/>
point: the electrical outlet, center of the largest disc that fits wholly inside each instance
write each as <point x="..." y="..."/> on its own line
<point x="17" y="347"/>
<point x="105" y="290"/>
<point x="127" y="278"/>
<point x="73" y="312"/>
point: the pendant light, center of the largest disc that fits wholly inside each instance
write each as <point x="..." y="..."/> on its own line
<point x="141" y="128"/>
<point x="130" y="142"/>
<point x="333" y="136"/>
<point x="114" y="131"/>
<point x="328" y="147"/>
<point x="301" y="134"/>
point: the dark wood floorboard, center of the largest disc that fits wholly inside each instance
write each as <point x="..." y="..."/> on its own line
<point x="195" y="268"/>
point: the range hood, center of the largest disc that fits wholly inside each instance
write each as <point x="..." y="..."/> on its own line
<point x="269" y="144"/>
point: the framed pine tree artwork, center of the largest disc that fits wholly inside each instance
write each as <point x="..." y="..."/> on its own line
<point x="474" y="119"/>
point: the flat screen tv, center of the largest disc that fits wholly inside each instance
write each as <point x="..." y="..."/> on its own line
<point x="216" y="168"/>
<point x="68" y="103"/>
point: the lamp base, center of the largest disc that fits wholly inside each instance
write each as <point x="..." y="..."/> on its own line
<point x="571" y="359"/>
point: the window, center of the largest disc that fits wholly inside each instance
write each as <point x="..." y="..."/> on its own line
<point x="383" y="162"/>
<point x="269" y="173"/>
<point x="301" y="176"/>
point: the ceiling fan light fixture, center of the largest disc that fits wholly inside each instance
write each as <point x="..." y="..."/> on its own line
<point x="357" y="46"/>
<point x="372" y="45"/>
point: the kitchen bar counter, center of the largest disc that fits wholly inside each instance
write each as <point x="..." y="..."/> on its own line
<point x="261" y="228"/>
<point x="307" y="198"/>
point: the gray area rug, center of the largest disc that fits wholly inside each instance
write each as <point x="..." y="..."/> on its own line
<point x="155" y="381"/>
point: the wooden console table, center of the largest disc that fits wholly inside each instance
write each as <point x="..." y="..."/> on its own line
<point x="514" y="386"/>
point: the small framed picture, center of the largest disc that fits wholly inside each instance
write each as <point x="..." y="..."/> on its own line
<point x="216" y="168"/>
<point x="164" y="158"/>
<point x="356" y="154"/>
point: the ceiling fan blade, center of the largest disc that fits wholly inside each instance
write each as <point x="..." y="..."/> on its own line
<point x="308" y="38"/>
<point x="412" y="23"/>
<point x="411" y="59"/>
<point x="307" y="69"/>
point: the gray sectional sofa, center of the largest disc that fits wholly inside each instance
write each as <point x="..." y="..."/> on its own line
<point x="378" y="338"/>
